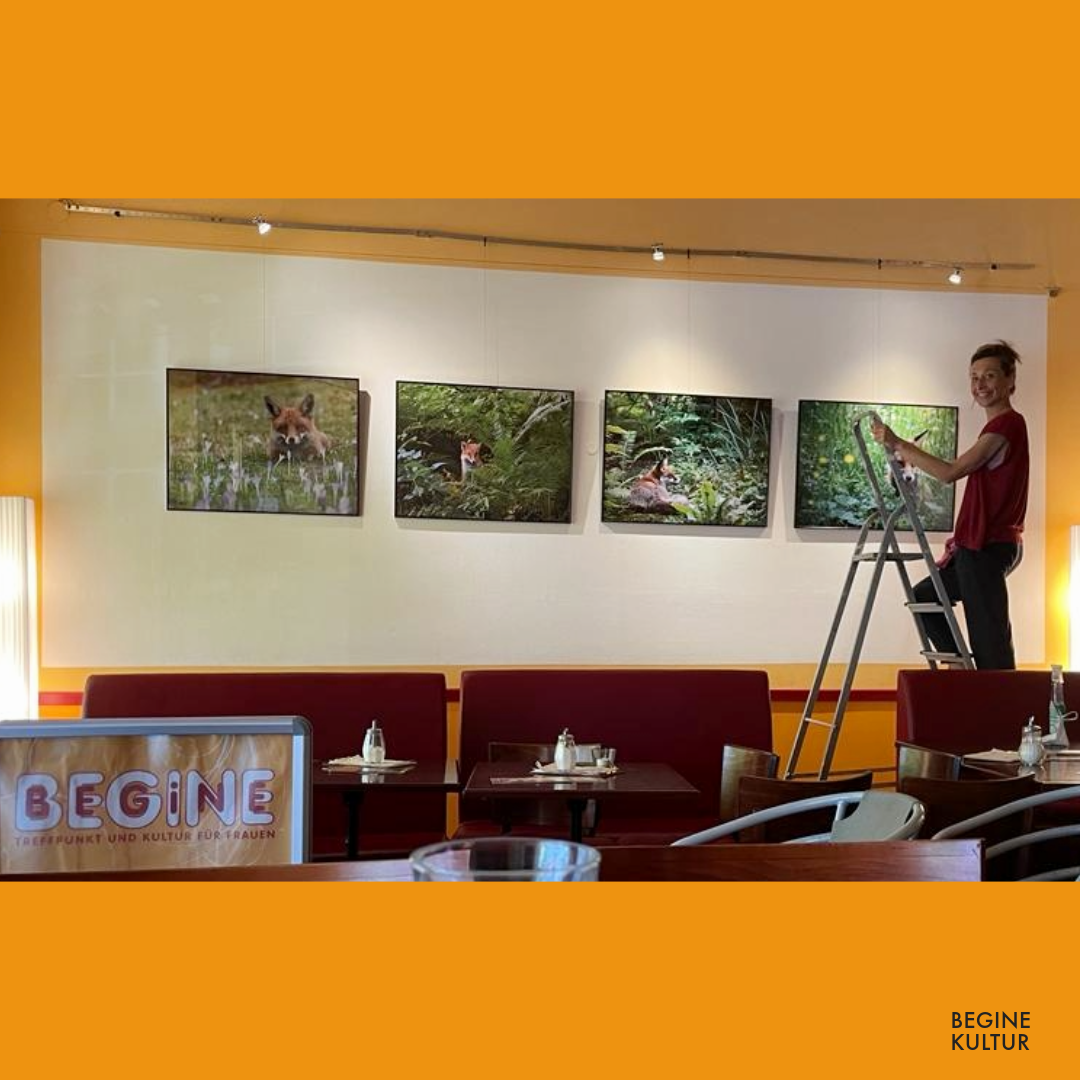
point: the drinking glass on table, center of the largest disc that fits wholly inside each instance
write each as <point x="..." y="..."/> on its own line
<point x="604" y="757"/>
<point x="505" y="858"/>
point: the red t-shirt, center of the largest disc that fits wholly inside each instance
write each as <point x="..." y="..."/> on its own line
<point x="995" y="499"/>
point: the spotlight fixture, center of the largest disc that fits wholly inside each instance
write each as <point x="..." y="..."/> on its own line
<point x="658" y="252"/>
<point x="956" y="276"/>
<point x="262" y="225"/>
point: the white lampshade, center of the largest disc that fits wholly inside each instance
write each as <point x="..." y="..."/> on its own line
<point x="18" y="610"/>
<point x="1074" y="598"/>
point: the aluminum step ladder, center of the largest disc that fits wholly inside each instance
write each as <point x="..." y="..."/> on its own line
<point x="887" y="550"/>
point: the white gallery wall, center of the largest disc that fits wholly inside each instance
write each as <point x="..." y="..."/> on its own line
<point x="128" y="583"/>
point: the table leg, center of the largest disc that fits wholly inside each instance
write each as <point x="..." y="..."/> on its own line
<point x="577" y="817"/>
<point x="353" y="801"/>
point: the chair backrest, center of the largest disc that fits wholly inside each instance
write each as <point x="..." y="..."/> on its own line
<point x="515" y="813"/>
<point x="681" y="716"/>
<point x="530" y="752"/>
<point x="950" y="801"/>
<point x="761" y="792"/>
<point x="737" y="762"/>
<point x="965" y="711"/>
<point x="880" y="815"/>
<point x="921" y="761"/>
<point x="410" y="708"/>
<point x="888" y="816"/>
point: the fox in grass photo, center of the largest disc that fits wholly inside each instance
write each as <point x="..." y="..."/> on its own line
<point x="293" y="432"/>
<point x="262" y="443"/>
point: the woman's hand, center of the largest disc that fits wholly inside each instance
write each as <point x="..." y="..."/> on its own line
<point x="883" y="434"/>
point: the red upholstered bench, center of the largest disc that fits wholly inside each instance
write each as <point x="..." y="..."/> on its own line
<point x="965" y="711"/>
<point x="410" y="706"/>
<point x="682" y="717"/>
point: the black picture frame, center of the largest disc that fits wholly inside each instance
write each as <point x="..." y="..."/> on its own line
<point x="260" y="442"/>
<point x="686" y="459"/>
<point x="471" y="452"/>
<point x="832" y="490"/>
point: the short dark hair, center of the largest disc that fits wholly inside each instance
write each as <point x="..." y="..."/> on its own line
<point x="1001" y="351"/>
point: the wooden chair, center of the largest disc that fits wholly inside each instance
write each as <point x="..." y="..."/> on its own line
<point x="950" y="801"/>
<point x="544" y="815"/>
<point x="921" y="761"/>
<point x="737" y="762"/>
<point x="762" y="793"/>
<point x="1018" y="846"/>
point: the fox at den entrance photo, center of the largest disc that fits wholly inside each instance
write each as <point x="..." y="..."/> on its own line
<point x="490" y="453"/>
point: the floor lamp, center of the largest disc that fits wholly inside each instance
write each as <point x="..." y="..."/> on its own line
<point x="1074" y="598"/>
<point x="18" y="610"/>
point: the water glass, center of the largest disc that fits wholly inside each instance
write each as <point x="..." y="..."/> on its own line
<point x="604" y="757"/>
<point x="505" y="858"/>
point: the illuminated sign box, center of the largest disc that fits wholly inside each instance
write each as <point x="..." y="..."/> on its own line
<point x="151" y="794"/>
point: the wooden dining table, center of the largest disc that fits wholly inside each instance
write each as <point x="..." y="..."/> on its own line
<point x="495" y="780"/>
<point x="354" y="783"/>
<point x="1058" y="767"/>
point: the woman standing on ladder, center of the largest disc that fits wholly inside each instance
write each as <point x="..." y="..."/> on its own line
<point x="987" y="545"/>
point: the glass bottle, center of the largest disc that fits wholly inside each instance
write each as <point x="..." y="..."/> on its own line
<point x="1056" y="737"/>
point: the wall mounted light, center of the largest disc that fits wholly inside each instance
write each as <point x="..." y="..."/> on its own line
<point x="956" y="276"/>
<point x="262" y="225"/>
<point x="658" y="252"/>
<point x="18" y="610"/>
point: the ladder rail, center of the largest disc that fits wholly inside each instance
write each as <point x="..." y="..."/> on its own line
<point x="885" y="518"/>
<point x="833" y="736"/>
<point x="907" y="497"/>
<point x="807" y="718"/>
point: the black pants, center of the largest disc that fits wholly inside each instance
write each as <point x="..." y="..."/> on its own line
<point x="977" y="580"/>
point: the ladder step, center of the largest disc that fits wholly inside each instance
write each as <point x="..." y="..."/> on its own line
<point x="888" y="556"/>
<point x="928" y="608"/>
<point x="944" y="657"/>
<point x="818" y="723"/>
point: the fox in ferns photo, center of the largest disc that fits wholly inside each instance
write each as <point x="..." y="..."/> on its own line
<point x="649" y="491"/>
<point x="293" y="432"/>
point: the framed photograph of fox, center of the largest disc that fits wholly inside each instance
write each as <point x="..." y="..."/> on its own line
<point x="832" y="490"/>
<point x="686" y="459"/>
<point x="261" y="443"/>
<point x="483" y="453"/>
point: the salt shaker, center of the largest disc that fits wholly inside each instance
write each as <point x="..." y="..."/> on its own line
<point x="1032" y="750"/>
<point x="565" y="752"/>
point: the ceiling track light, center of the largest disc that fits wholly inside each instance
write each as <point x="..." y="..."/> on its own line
<point x="656" y="250"/>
